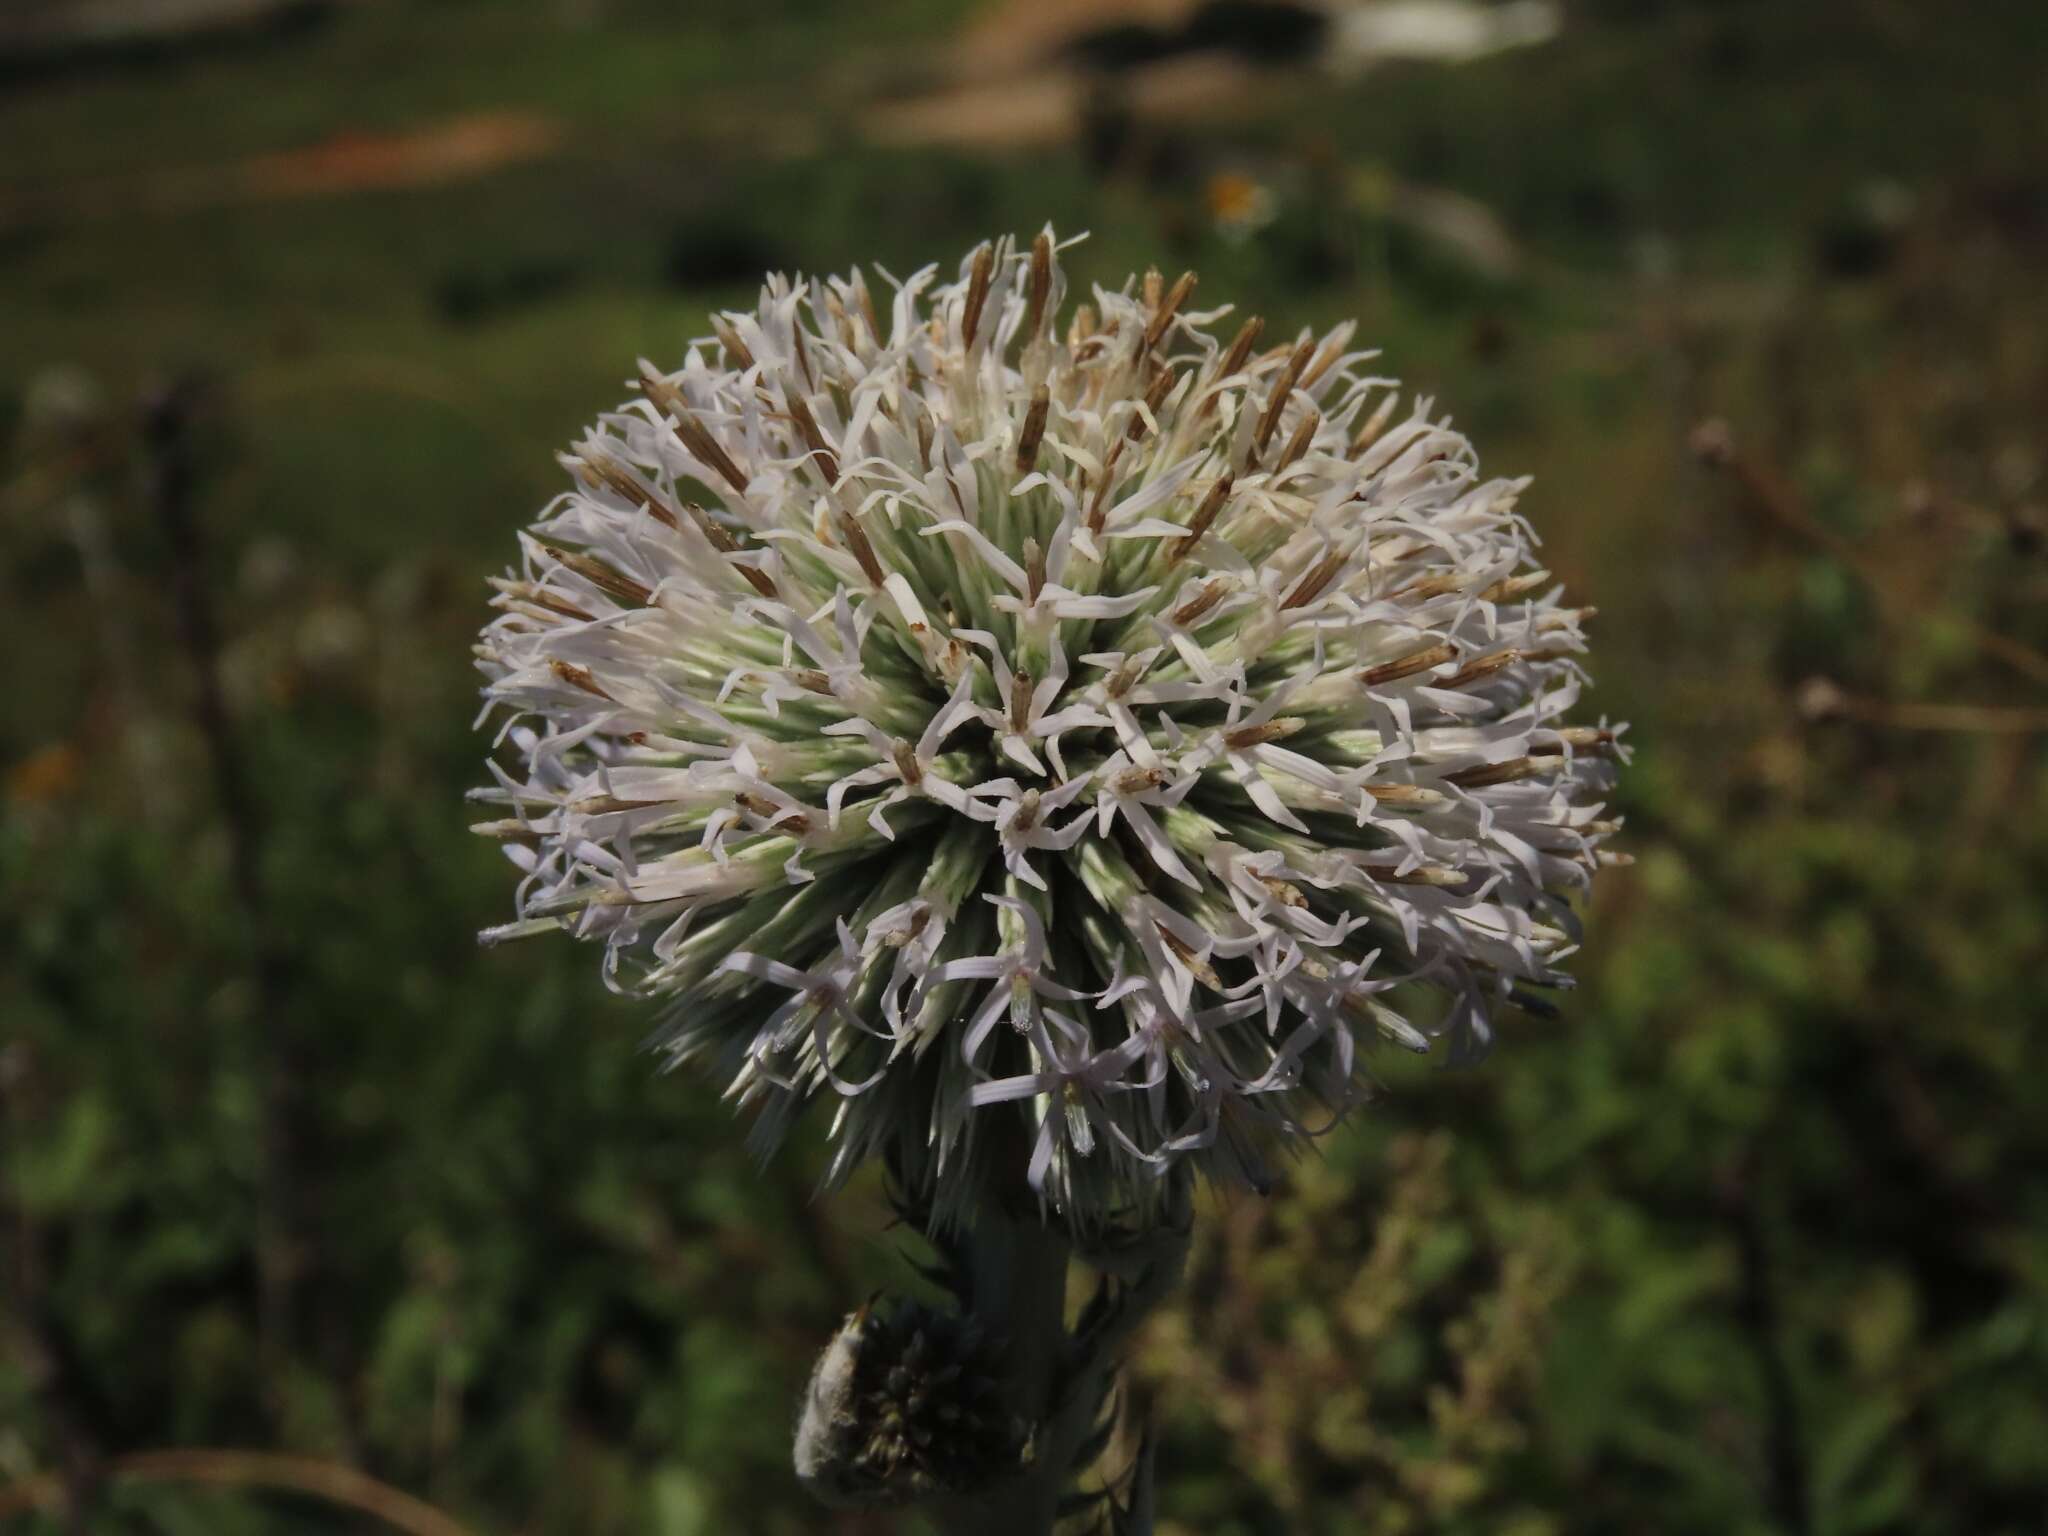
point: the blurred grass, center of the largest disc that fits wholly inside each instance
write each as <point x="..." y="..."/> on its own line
<point x="1751" y="1241"/>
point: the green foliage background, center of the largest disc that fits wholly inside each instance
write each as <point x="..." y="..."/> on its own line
<point x="1754" y="1239"/>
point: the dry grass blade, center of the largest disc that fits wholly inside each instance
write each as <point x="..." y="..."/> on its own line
<point x="267" y="1470"/>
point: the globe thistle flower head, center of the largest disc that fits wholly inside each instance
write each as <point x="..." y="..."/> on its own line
<point x="1066" y="738"/>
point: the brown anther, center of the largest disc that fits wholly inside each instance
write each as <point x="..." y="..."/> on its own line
<point x="1325" y="359"/>
<point x="1304" y="435"/>
<point x="1481" y="666"/>
<point x="810" y="679"/>
<point x="1423" y="874"/>
<point x="906" y="763"/>
<point x="1199" y="524"/>
<point x="867" y="307"/>
<point x="1211" y="594"/>
<point x="1580" y="738"/>
<point x="541" y="597"/>
<point x="509" y="830"/>
<point x="1135" y="780"/>
<point x="977" y="293"/>
<point x="1428" y="587"/>
<point x="1027" y="811"/>
<point x="769" y="811"/>
<point x="1034" y="430"/>
<point x="1241" y="347"/>
<point x="1034" y="570"/>
<point x="608" y="805"/>
<point x="834" y="307"/>
<point x="1199" y="968"/>
<point x="728" y="338"/>
<point x="1284" y="892"/>
<point x="1276" y="402"/>
<point x="1374" y="425"/>
<point x="1564" y="618"/>
<point x="1163" y="310"/>
<point x="602" y="576"/>
<point x="1315" y="579"/>
<point x="1021" y="684"/>
<point x="856" y="538"/>
<point x="715" y="533"/>
<point x="807" y="429"/>
<point x="656" y="387"/>
<point x="1403" y="794"/>
<point x="579" y="677"/>
<point x="803" y="354"/>
<point x="1097" y="503"/>
<point x="1155" y="396"/>
<point x="1125" y="677"/>
<point x="1232" y="361"/>
<point x="599" y="471"/>
<point x="756" y="578"/>
<point x="690" y="432"/>
<point x="1486" y="774"/>
<point x="1407" y="666"/>
<point x="919" y="921"/>
<point x="1038" y="286"/>
<point x="1243" y="736"/>
<point x="924" y="439"/>
<point x="1513" y="586"/>
<point x="1082" y="326"/>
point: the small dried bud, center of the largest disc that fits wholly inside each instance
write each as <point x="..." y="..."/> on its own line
<point x="905" y="1403"/>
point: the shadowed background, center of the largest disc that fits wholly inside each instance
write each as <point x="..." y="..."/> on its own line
<point x="297" y="302"/>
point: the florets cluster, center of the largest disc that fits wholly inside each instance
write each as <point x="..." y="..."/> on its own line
<point x="1098" y="732"/>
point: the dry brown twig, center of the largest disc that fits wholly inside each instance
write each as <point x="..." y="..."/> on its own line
<point x="1821" y="699"/>
<point x="170" y="459"/>
<point x="271" y="1470"/>
<point x="1768" y="492"/>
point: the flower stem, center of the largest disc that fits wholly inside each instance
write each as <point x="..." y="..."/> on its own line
<point x="991" y="1411"/>
<point x="1060" y="1378"/>
<point x="1018" y="1273"/>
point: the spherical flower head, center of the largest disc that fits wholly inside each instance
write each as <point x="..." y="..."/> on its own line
<point x="1070" y="741"/>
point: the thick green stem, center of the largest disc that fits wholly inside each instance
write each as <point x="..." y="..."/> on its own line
<point x="1018" y="1269"/>
<point x="1060" y="1379"/>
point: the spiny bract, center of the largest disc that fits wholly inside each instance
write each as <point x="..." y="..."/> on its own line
<point x="1092" y="734"/>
